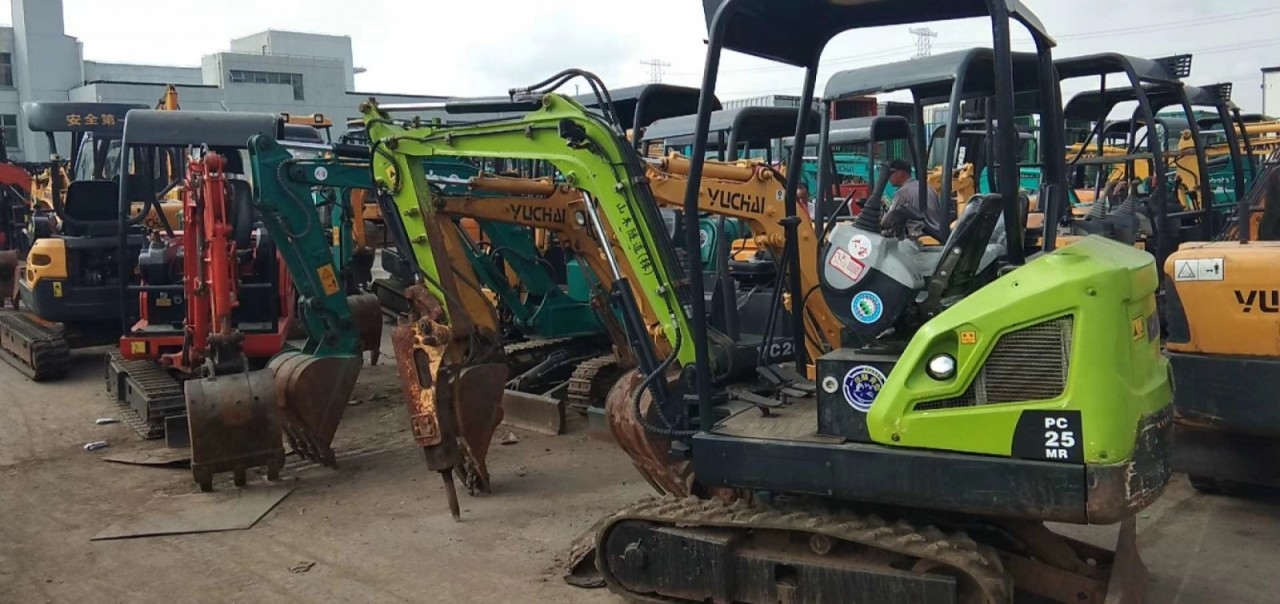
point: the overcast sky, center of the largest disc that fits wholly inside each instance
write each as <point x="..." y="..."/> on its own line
<point x="475" y="47"/>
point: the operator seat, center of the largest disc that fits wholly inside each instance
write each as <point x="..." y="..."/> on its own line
<point x="870" y="280"/>
<point x="90" y="209"/>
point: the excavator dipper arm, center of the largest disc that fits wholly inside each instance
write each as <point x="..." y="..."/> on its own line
<point x="314" y="384"/>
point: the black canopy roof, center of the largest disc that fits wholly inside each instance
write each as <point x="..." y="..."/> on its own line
<point x="654" y="101"/>
<point x="857" y="130"/>
<point x="62" y="116"/>
<point x="930" y="79"/>
<point x="1091" y="104"/>
<point x="795" y="31"/>
<point x="180" y="128"/>
<point x="1146" y="70"/>
<point x="755" y="125"/>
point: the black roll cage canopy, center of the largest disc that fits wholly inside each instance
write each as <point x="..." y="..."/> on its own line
<point x="169" y="131"/>
<point x="105" y="121"/>
<point x="861" y="131"/>
<point x="756" y="127"/>
<point x="639" y="107"/>
<point x="1153" y="84"/>
<point x="795" y="32"/>
<point x="953" y="78"/>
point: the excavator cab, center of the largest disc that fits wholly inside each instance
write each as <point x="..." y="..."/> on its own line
<point x="925" y="474"/>
<point x="880" y="283"/>
<point x="71" y="275"/>
<point x="212" y="302"/>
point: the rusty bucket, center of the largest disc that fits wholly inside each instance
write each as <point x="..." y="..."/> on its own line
<point x="8" y="276"/>
<point x="311" y="393"/>
<point x="366" y="311"/>
<point x="233" y="426"/>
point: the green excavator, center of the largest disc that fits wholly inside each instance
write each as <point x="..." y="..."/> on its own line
<point x="921" y="472"/>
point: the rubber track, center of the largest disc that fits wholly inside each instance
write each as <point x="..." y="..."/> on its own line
<point x="582" y="383"/>
<point x="979" y="564"/>
<point x="150" y="378"/>
<point x="47" y="357"/>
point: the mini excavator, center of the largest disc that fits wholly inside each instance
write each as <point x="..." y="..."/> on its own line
<point x="923" y="471"/>
<point x="69" y="286"/>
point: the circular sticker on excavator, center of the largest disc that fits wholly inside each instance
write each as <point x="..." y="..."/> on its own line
<point x="866" y="307"/>
<point x="861" y="385"/>
<point x="860" y="247"/>
<point x="321" y="173"/>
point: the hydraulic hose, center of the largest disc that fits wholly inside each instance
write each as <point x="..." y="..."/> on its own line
<point x="667" y="429"/>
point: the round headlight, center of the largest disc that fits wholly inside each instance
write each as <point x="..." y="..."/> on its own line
<point x="941" y="367"/>
<point x="580" y="219"/>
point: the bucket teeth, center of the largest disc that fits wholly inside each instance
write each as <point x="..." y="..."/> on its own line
<point x="311" y="395"/>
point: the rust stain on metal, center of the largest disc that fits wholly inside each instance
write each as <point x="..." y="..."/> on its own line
<point x="648" y="451"/>
<point x="233" y="426"/>
<point x="312" y="395"/>
<point x="366" y="311"/>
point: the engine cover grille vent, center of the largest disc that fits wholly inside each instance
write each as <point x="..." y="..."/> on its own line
<point x="1029" y="364"/>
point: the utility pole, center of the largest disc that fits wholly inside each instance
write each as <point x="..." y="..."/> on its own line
<point x="924" y="41"/>
<point x="655" y="69"/>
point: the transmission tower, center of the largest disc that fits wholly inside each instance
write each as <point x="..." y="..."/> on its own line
<point x="655" y="69"/>
<point x="924" y="41"/>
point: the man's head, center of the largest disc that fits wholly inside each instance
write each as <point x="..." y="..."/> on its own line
<point x="899" y="172"/>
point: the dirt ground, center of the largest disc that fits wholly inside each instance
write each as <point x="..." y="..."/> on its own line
<point x="378" y="528"/>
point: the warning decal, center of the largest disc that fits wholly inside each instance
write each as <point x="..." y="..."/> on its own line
<point x="1199" y="269"/>
<point x="846" y="264"/>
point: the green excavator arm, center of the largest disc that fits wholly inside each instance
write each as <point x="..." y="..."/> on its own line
<point x="313" y="384"/>
<point x="590" y="155"/>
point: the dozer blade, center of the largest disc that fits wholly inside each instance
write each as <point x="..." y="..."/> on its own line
<point x="366" y="311"/>
<point x="534" y="412"/>
<point x="234" y="426"/>
<point x="8" y="276"/>
<point x="311" y="394"/>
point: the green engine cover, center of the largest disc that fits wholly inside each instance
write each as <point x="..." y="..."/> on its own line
<point x="1072" y="333"/>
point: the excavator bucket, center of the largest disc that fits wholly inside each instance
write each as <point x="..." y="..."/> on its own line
<point x="311" y="394"/>
<point x="233" y="426"/>
<point x="366" y="311"/>
<point x="8" y="276"/>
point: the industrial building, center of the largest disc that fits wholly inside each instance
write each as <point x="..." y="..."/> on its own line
<point x="272" y="71"/>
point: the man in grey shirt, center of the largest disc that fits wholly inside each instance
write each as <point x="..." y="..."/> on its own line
<point x="904" y="215"/>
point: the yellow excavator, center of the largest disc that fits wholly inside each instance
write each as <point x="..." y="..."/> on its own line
<point x="1220" y="297"/>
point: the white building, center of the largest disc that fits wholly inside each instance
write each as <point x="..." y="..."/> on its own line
<point x="272" y="71"/>
<point x="1271" y="90"/>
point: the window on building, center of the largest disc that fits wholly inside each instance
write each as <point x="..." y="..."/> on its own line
<point x="246" y="76"/>
<point x="6" y="69"/>
<point x="9" y="124"/>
